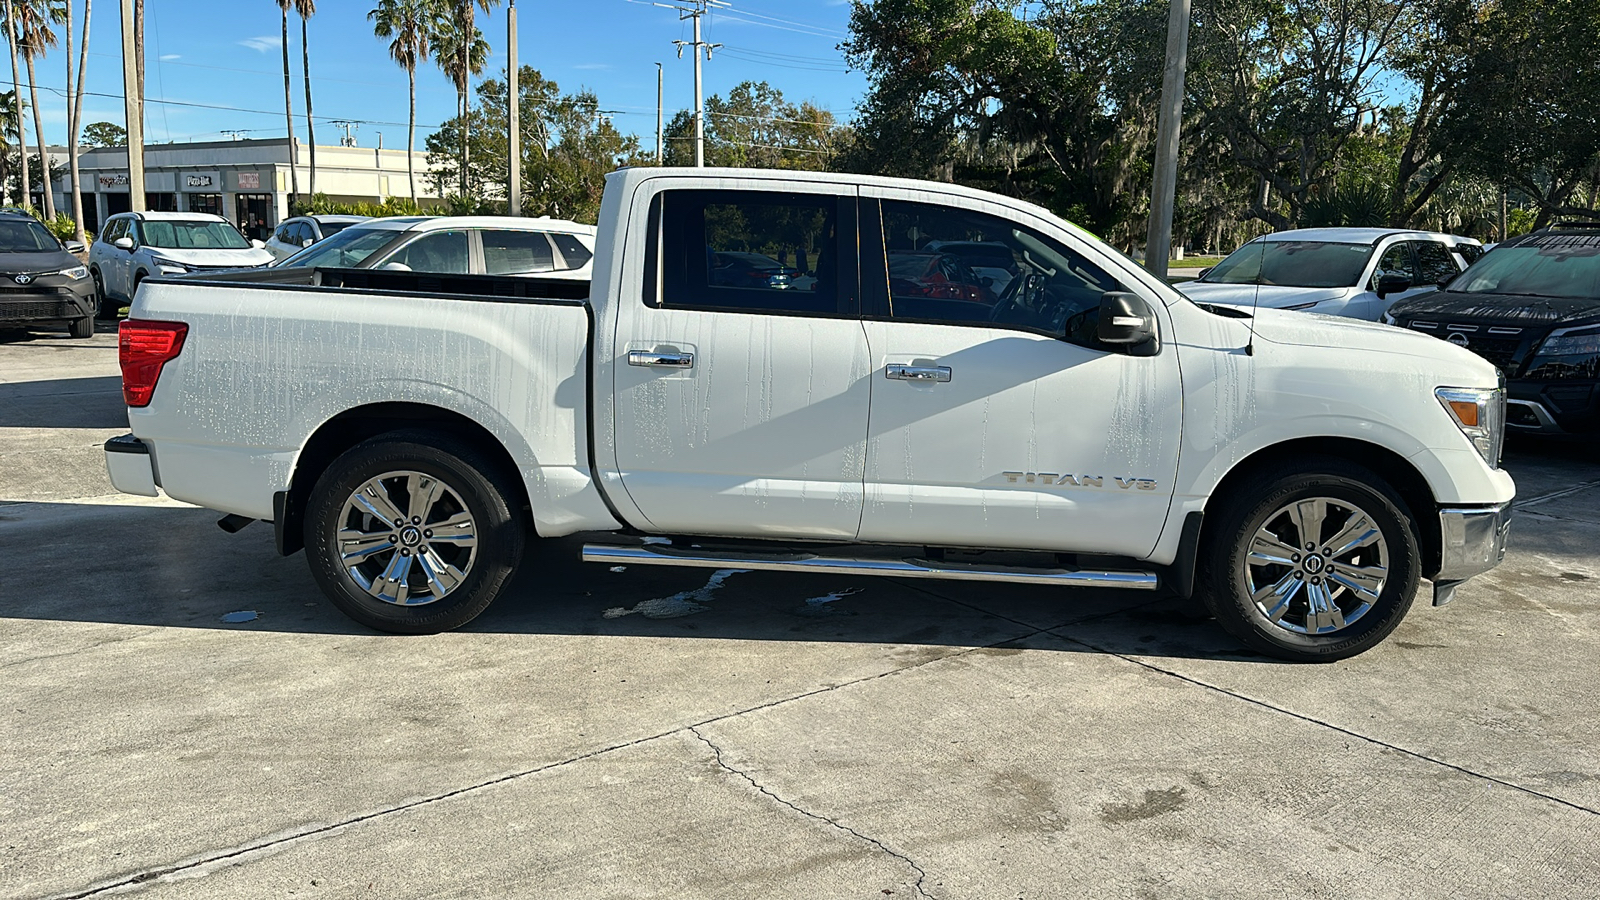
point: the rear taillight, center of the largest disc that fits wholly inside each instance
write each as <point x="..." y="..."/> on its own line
<point x="143" y="347"/>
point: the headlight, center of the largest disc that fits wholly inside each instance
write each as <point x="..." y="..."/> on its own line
<point x="170" y="266"/>
<point x="75" y="273"/>
<point x="1584" y="341"/>
<point x="1480" y="413"/>
<point x="1302" y="305"/>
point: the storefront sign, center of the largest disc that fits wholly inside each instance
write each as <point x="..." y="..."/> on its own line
<point x="249" y="181"/>
<point x="199" y="181"/>
<point x="111" y="181"/>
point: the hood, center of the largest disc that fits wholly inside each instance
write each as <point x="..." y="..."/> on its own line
<point x="1516" y="309"/>
<point x="37" y="263"/>
<point x="1271" y="296"/>
<point x="1314" y="330"/>
<point x="233" y="258"/>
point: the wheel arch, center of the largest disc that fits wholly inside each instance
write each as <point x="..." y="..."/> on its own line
<point x="1403" y="477"/>
<point x="352" y="426"/>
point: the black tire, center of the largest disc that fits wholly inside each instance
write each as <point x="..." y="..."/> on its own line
<point x="1359" y="608"/>
<point x="105" y="307"/>
<point x="81" y="328"/>
<point x="472" y="485"/>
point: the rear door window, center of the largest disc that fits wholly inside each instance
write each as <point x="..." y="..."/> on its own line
<point x="516" y="252"/>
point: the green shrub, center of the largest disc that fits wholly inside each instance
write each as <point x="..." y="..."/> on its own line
<point x="320" y="205"/>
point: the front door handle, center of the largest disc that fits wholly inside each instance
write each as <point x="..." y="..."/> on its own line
<point x="668" y="360"/>
<point x="901" y="372"/>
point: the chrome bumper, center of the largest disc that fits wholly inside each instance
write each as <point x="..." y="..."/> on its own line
<point x="1474" y="542"/>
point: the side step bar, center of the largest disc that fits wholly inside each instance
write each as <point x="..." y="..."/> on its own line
<point x="664" y="555"/>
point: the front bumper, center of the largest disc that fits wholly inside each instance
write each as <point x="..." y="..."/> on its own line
<point x="1474" y="541"/>
<point x="45" y="304"/>
<point x="1558" y="407"/>
<point x="130" y="466"/>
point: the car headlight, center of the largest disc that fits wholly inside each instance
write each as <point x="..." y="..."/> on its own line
<point x="75" y="273"/>
<point x="1582" y="341"/>
<point x="170" y="266"/>
<point x="1480" y="413"/>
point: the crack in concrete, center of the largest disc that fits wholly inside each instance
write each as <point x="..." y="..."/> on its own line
<point x="922" y="875"/>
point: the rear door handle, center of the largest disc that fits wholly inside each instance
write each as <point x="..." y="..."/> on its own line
<point x="901" y="372"/>
<point x="668" y="360"/>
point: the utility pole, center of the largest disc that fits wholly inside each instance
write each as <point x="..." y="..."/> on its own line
<point x="697" y="12"/>
<point x="661" y="81"/>
<point x="134" y="107"/>
<point x="1163" y="193"/>
<point x="514" y="128"/>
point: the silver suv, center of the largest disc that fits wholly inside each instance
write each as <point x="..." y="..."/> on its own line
<point x="135" y="246"/>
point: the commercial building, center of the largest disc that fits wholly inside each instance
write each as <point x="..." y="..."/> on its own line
<point x="245" y="181"/>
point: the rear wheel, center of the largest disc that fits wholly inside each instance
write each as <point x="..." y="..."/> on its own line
<point x="105" y="306"/>
<point x="411" y="533"/>
<point x="1311" y="563"/>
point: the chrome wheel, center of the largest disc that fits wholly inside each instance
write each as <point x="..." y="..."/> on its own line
<point x="406" y="538"/>
<point x="1316" y="566"/>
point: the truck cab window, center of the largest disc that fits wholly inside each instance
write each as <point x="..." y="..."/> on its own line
<point x="954" y="266"/>
<point x="749" y="251"/>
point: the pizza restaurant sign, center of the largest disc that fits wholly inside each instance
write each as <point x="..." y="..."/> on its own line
<point x="198" y="181"/>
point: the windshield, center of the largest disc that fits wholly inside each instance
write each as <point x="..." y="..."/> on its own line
<point x="345" y="250"/>
<point x="1310" y="264"/>
<point x="1552" y="266"/>
<point x="192" y="236"/>
<point x="25" y="236"/>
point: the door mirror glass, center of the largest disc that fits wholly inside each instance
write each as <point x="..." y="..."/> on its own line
<point x="1392" y="284"/>
<point x="1126" y="320"/>
<point x="123" y="243"/>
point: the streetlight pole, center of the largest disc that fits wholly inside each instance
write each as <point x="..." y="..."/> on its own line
<point x="513" y="98"/>
<point x="133" y="104"/>
<point x="1163" y="192"/>
<point x="661" y="78"/>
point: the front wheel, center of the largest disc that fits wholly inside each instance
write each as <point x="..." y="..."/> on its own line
<point x="81" y="328"/>
<point x="411" y="533"/>
<point x="1311" y="563"/>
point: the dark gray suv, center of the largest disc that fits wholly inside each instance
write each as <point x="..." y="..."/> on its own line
<point x="41" y="283"/>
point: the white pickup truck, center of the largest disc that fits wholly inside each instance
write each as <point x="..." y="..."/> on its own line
<point x="805" y="372"/>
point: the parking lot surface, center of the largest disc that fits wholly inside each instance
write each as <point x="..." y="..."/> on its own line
<point x="184" y="715"/>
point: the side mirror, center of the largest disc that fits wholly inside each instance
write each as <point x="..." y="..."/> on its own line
<point x="1204" y="272"/>
<point x="395" y="267"/>
<point x="258" y="245"/>
<point x="123" y="243"/>
<point x="1392" y="284"/>
<point x="307" y="242"/>
<point x="1126" y="320"/>
<point x="75" y="247"/>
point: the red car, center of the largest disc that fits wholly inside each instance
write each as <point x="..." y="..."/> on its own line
<point x="935" y="275"/>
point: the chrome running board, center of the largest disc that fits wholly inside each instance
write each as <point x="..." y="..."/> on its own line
<point x="666" y="555"/>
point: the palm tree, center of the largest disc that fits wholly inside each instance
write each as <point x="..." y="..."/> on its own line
<point x="16" y="81"/>
<point x="75" y="112"/>
<point x="10" y="127"/>
<point x="466" y="13"/>
<point x="460" y="59"/>
<point x="306" y="9"/>
<point x="288" y="102"/>
<point x="32" y="19"/>
<point x="411" y="24"/>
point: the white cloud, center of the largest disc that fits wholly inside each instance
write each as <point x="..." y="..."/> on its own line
<point x="169" y="57"/>
<point x="262" y="44"/>
<point x="592" y="66"/>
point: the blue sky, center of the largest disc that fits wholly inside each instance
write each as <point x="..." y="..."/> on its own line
<point x="197" y="54"/>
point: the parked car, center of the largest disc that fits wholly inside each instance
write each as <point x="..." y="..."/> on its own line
<point x="992" y="261"/>
<point x="1093" y="428"/>
<point x="293" y="235"/>
<point x="938" y="276"/>
<point x="136" y="246"/>
<point x="1532" y="308"/>
<point x="41" y="282"/>
<point x="457" y="245"/>
<point x="732" y="268"/>
<point x="1354" y="272"/>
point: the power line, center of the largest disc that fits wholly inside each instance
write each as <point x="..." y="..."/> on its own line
<point x="818" y="30"/>
<point x="740" y="55"/>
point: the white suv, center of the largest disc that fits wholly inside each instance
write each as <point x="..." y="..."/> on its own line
<point x="135" y="246"/>
<point x="458" y="245"/>
<point x="1355" y="272"/>
<point x="293" y="235"/>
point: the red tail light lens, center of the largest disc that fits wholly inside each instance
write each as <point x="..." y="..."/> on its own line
<point x="143" y="347"/>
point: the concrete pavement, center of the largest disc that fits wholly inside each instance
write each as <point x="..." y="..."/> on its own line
<point x="791" y="736"/>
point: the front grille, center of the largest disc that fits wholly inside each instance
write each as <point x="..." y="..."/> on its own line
<point x="1502" y="352"/>
<point x="43" y="309"/>
<point x="32" y="289"/>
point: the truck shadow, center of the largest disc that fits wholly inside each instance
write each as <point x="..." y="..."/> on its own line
<point x="64" y="403"/>
<point x="171" y="567"/>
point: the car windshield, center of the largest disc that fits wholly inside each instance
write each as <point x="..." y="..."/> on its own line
<point x="1551" y="266"/>
<point x="25" y="236"/>
<point x="1309" y="264"/>
<point x="347" y="249"/>
<point x="179" y="235"/>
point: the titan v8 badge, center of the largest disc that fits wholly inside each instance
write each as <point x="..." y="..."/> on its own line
<point x="1054" y="479"/>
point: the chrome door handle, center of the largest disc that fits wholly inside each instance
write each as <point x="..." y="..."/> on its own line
<point x="652" y="358"/>
<point x="901" y="372"/>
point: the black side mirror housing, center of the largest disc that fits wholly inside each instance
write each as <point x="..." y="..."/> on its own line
<point x="1392" y="284"/>
<point x="1126" y="320"/>
<point x="1204" y="272"/>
